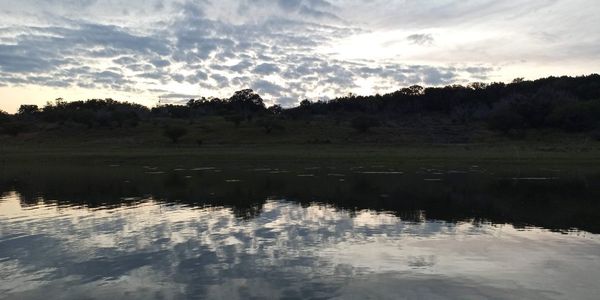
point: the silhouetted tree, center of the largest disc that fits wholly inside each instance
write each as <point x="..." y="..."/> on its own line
<point x="4" y="117"/>
<point x="94" y="112"/>
<point x="247" y="102"/>
<point x="414" y="90"/>
<point x="567" y="103"/>
<point x="305" y="103"/>
<point x="275" y="109"/>
<point x="28" y="110"/>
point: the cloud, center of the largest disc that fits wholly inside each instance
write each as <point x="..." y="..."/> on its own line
<point x="125" y="60"/>
<point x="420" y="39"/>
<point x="290" y="49"/>
<point x="160" y="63"/>
<point x="178" y="77"/>
<point x="266" y="69"/>
<point x="434" y="76"/>
<point x="196" y="77"/>
<point x="177" y="97"/>
<point x="266" y="87"/>
<point x="16" y="59"/>
<point x="221" y="80"/>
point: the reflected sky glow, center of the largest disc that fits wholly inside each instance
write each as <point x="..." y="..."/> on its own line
<point x="158" y="251"/>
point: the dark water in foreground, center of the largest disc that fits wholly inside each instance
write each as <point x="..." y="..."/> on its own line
<point x="349" y="233"/>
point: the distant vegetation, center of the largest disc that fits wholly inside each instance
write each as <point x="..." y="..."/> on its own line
<point x="174" y="133"/>
<point x="566" y="104"/>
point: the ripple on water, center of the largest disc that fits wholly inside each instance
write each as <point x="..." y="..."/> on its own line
<point x="225" y="241"/>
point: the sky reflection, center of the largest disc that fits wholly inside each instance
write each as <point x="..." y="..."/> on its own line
<point x="156" y="251"/>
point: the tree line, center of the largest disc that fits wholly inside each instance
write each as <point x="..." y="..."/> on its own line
<point x="566" y="103"/>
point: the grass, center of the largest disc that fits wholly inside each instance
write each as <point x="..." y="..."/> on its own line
<point x="213" y="140"/>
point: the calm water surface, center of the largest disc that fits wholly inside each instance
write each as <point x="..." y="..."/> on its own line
<point x="309" y="233"/>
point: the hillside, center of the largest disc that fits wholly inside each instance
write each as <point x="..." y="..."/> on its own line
<point x="552" y="115"/>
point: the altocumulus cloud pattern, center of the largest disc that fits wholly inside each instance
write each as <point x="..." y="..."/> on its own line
<point x="288" y="50"/>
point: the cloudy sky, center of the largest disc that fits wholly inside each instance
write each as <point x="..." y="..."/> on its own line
<point x="287" y="50"/>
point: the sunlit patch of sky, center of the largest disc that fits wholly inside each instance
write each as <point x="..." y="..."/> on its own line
<point x="287" y="50"/>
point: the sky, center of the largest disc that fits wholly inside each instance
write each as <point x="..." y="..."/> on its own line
<point x="286" y="50"/>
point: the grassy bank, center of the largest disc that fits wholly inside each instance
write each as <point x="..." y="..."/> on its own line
<point x="216" y="140"/>
<point x="302" y="154"/>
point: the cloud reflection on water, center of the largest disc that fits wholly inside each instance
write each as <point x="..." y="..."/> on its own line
<point x="156" y="251"/>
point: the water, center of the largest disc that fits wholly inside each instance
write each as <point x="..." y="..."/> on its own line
<point x="347" y="233"/>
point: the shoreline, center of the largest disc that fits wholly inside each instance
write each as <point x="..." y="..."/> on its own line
<point x="303" y="154"/>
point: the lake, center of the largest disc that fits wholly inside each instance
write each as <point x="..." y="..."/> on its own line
<point x="299" y="232"/>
